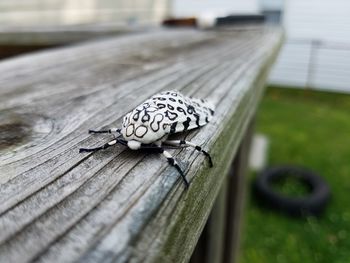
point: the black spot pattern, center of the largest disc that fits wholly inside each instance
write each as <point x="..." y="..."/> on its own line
<point x="161" y="105"/>
<point x="171" y="115"/>
<point x="146" y="117"/>
<point x="170" y="111"/>
<point x="141" y="131"/>
<point x="179" y="109"/>
<point x="190" y="109"/>
<point x="197" y="118"/>
<point x="155" y="124"/>
<point x="136" y="116"/>
<point x="186" y="123"/>
<point x="173" y="127"/>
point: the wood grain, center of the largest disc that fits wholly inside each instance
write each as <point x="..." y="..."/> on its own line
<point x="53" y="35"/>
<point x="119" y="205"/>
<point x="15" y="40"/>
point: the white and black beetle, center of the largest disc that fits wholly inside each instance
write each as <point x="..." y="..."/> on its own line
<point x="149" y="125"/>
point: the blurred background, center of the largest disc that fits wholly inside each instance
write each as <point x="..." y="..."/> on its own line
<point x="304" y="118"/>
<point x="316" y="53"/>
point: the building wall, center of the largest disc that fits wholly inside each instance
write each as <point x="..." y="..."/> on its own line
<point x="183" y="8"/>
<point x="62" y="12"/>
<point x="316" y="53"/>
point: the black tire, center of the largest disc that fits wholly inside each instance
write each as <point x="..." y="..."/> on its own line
<point x="312" y="204"/>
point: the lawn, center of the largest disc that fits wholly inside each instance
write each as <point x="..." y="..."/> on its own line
<point x="311" y="129"/>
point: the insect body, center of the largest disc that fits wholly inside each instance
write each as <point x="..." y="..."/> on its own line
<point x="149" y="124"/>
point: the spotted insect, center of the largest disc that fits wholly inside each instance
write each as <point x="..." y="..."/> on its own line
<point x="149" y="125"/>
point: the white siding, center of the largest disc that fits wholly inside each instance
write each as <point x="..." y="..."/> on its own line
<point x="326" y="20"/>
<point x="332" y="70"/>
<point x="58" y="12"/>
<point x="183" y="8"/>
<point x="320" y="29"/>
<point x="291" y="67"/>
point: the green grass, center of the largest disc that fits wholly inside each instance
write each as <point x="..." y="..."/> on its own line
<point x="311" y="129"/>
<point x="291" y="186"/>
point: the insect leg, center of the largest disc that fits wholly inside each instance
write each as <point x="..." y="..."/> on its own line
<point x="112" y="130"/>
<point x="173" y="162"/>
<point x="187" y="143"/>
<point x="105" y="146"/>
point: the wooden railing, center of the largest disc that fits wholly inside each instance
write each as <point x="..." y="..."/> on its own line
<point x="119" y="205"/>
<point x="17" y="40"/>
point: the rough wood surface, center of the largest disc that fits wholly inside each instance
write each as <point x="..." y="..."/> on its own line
<point x="236" y="183"/>
<point x="119" y="205"/>
<point x="210" y="246"/>
<point x="25" y="39"/>
<point x="58" y="35"/>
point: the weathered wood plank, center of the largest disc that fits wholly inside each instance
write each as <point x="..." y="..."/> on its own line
<point x="236" y="183"/>
<point x="35" y="35"/>
<point x="118" y="205"/>
<point x="15" y="40"/>
<point x="211" y="244"/>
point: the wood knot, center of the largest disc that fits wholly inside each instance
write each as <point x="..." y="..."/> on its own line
<point x="17" y="129"/>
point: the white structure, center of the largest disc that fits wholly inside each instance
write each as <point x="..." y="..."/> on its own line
<point x="258" y="153"/>
<point x="206" y="11"/>
<point x="68" y="12"/>
<point x="316" y="53"/>
<point x="197" y="8"/>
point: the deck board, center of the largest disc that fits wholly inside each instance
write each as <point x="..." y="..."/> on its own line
<point x="119" y="205"/>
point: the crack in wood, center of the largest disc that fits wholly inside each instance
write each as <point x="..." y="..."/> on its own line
<point x="120" y="202"/>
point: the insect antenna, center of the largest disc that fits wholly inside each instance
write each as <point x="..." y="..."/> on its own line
<point x="105" y="146"/>
<point x="106" y="131"/>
